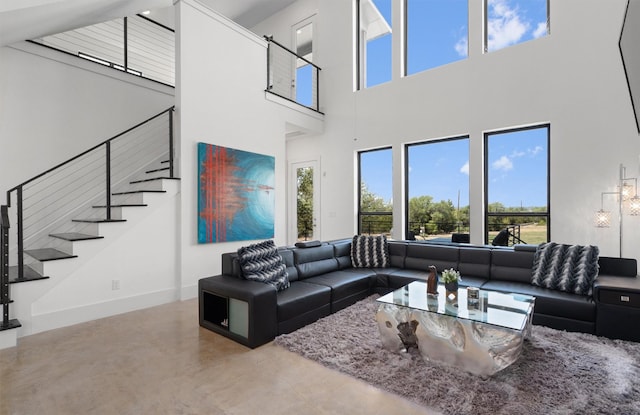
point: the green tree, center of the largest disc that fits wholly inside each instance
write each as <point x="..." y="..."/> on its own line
<point x="373" y="203"/>
<point x="305" y="201"/>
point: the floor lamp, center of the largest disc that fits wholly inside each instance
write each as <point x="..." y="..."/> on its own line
<point x="628" y="200"/>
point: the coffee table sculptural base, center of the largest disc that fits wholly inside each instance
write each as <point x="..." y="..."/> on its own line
<point x="481" y="339"/>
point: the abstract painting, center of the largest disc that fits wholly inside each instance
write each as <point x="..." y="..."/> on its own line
<point x="236" y="200"/>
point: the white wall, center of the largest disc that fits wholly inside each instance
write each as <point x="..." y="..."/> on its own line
<point x="572" y="79"/>
<point x="220" y="100"/>
<point x="54" y="106"/>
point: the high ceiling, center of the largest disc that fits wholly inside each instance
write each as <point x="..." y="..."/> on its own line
<point x="29" y="19"/>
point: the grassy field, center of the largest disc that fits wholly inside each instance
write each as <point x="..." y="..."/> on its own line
<point x="530" y="234"/>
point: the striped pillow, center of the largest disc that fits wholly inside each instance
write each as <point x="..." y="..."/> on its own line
<point x="569" y="268"/>
<point x="369" y="251"/>
<point x="261" y="262"/>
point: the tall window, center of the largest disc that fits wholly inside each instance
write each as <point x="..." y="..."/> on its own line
<point x="375" y="200"/>
<point x="438" y="190"/>
<point x="437" y="33"/>
<point x="509" y="22"/>
<point x="517" y="186"/>
<point x="374" y="42"/>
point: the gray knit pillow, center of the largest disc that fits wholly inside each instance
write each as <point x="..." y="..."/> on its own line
<point x="261" y="262"/>
<point x="369" y="251"/>
<point x="569" y="268"/>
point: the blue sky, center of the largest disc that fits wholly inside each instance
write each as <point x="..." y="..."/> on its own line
<point x="517" y="169"/>
<point x="517" y="161"/>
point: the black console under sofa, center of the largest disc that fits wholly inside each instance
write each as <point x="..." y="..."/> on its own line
<point x="323" y="281"/>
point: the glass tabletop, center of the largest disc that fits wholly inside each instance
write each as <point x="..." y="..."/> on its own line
<point x="508" y="310"/>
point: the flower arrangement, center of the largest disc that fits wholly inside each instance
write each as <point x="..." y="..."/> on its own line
<point x="450" y="275"/>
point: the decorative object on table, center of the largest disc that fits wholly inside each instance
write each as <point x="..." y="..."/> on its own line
<point x="236" y="200"/>
<point x="432" y="281"/>
<point x="473" y="297"/>
<point x="407" y="334"/>
<point x="451" y="277"/>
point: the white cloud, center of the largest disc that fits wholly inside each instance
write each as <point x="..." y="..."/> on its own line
<point x="534" y="151"/>
<point x="505" y="26"/>
<point x="503" y="163"/>
<point x="465" y="168"/>
<point x="517" y="153"/>
<point x="462" y="46"/>
<point x="541" y="30"/>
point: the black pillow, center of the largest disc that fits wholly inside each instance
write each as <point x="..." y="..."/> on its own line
<point x="369" y="251"/>
<point x="308" y="244"/>
<point x="261" y="262"/>
<point x="569" y="268"/>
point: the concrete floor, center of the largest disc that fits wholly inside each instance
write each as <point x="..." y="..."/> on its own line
<point x="159" y="361"/>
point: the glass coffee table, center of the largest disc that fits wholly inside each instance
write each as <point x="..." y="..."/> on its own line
<point x="481" y="337"/>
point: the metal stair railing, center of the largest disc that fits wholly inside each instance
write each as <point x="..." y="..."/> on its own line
<point x="48" y="202"/>
<point x="134" y="44"/>
<point x="5" y="299"/>
<point x="292" y="76"/>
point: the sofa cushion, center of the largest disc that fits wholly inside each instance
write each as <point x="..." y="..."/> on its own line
<point x="342" y="252"/>
<point x="397" y="252"/>
<point x="301" y="298"/>
<point x="510" y="265"/>
<point x="421" y="255"/>
<point x="344" y="283"/>
<point x="314" y="261"/>
<point x="550" y="302"/>
<point x="475" y="262"/>
<point x="287" y="258"/>
<point x="369" y="251"/>
<point x="569" y="268"/>
<point x="261" y="262"/>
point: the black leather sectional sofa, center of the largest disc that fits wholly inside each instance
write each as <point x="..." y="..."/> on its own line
<point x="323" y="281"/>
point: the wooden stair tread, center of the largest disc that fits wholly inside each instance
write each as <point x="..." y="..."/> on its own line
<point x="29" y="275"/>
<point x="48" y="254"/>
<point x="139" y="191"/>
<point x="75" y="236"/>
<point x="96" y="220"/>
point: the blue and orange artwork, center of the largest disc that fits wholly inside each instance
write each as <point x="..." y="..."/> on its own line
<point x="236" y="200"/>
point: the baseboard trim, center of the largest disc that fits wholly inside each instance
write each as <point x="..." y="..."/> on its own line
<point x="82" y="314"/>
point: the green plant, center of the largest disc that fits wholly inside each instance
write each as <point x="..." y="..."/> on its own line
<point x="450" y="275"/>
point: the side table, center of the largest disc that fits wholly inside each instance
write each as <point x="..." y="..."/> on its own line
<point x="618" y="307"/>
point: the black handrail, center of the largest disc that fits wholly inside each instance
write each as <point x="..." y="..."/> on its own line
<point x="270" y="40"/>
<point x="86" y="152"/>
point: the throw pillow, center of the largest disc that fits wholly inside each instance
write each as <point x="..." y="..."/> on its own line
<point x="569" y="268"/>
<point x="369" y="251"/>
<point x="261" y="262"/>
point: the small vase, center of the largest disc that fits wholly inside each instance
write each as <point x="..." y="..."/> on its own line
<point x="451" y="286"/>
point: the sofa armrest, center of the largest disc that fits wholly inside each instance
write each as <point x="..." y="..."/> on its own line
<point x="262" y="313"/>
<point x="615" y="283"/>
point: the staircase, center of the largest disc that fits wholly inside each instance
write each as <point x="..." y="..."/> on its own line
<point x="64" y="217"/>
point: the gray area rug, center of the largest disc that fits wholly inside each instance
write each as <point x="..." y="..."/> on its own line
<point x="558" y="372"/>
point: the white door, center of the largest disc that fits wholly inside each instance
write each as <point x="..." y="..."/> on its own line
<point x="304" y="201"/>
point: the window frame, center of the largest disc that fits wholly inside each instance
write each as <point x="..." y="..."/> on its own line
<point x="359" y="184"/>
<point x="488" y="214"/>
<point x="485" y="25"/>
<point x="405" y="41"/>
<point x="406" y="173"/>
